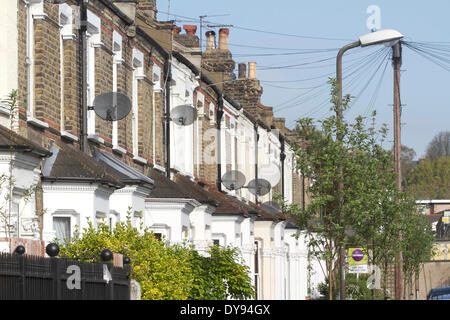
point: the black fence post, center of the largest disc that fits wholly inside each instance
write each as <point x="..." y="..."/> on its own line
<point x="56" y="275"/>
<point x="111" y="282"/>
<point x="22" y="266"/>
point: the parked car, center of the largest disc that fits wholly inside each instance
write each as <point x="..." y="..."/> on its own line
<point x="442" y="293"/>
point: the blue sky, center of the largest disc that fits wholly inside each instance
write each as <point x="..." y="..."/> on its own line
<point x="293" y="70"/>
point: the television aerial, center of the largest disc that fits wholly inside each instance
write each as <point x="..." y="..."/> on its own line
<point x="112" y="106"/>
<point x="183" y="115"/>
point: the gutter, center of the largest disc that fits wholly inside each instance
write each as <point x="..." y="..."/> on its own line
<point x="109" y="183"/>
<point x="168" y="74"/>
<point x="282" y="158"/>
<point x="219" y="115"/>
<point x="83" y="37"/>
<point x="40" y="153"/>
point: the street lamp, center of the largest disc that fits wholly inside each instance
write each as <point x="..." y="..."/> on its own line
<point x="387" y="37"/>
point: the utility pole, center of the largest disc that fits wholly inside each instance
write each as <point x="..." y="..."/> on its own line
<point x="397" y="61"/>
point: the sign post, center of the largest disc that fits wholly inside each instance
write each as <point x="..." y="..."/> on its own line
<point x="357" y="261"/>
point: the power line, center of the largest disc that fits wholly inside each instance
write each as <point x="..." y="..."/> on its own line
<point x="357" y="72"/>
<point x="267" y="31"/>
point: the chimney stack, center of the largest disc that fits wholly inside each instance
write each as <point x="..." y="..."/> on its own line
<point x="190" y="29"/>
<point x="210" y="40"/>
<point x="147" y="7"/>
<point x="128" y="7"/>
<point x="252" y="70"/>
<point x="242" y="70"/>
<point x="223" y="38"/>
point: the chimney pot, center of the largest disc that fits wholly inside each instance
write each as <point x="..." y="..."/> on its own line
<point x="210" y="40"/>
<point x="223" y="38"/>
<point x="252" y="70"/>
<point x="176" y="30"/>
<point x="242" y="70"/>
<point x="190" y="29"/>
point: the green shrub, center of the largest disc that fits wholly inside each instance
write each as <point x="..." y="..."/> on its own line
<point x="165" y="272"/>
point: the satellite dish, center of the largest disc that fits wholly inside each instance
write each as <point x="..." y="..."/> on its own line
<point x="270" y="172"/>
<point x="112" y="106"/>
<point x="259" y="187"/>
<point x="271" y="206"/>
<point x="233" y="180"/>
<point x="183" y="115"/>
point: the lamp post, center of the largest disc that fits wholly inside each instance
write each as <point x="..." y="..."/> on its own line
<point x="374" y="38"/>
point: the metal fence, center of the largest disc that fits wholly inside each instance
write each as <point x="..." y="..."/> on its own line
<point x="24" y="277"/>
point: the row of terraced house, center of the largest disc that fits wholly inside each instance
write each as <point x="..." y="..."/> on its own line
<point x="167" y="174"/>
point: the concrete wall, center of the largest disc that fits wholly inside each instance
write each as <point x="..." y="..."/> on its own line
<point x="434" y="274"/>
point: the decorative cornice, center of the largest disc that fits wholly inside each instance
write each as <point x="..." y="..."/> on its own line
<point x="64" y="187"/>
<point x="134" y="190"/>
<point x="185" y="205"/>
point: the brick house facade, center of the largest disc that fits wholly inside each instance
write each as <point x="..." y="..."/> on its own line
<point x="156" y="66"/>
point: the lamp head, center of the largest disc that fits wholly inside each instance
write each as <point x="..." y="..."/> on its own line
<point x="379" y="37"/>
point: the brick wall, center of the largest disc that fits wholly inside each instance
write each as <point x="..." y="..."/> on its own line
<point x="48" y="78"/>
<point x="22" y="36"/>
<point x="208" y="136"/>
<point x="47" y="68"/>
<point x="72" y="87"/>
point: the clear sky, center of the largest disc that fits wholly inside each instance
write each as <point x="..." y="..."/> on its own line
<point x="294" y="44"/>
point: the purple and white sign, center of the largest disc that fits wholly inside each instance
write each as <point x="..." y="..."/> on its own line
<point x="357" y="255"/>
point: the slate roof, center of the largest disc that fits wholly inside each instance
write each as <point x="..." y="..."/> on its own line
<point x="127" y="174"/>
<point x="195" y="191"/>
<point x="11" y="141"/>
<point x="164" y="187"/>
<point x="70" y="164"/>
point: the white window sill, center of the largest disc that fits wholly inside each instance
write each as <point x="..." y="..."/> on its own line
<point x="118" y="61"/>
<point x="69" y="37"/>
<point x="140" y="159"/>
<point x="159" y="168"/>
<point x="5" y="109"/>
<point x="141" y="77"/>
<point x="37" y="123"/>
<point x="98" y="45"/>
<point x="39" y="16"/>
<point x="119" y="149"/>
<point x="95" y="138"/>
<point x="69" y="136"/>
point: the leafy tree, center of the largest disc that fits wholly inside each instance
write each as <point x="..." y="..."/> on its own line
<point x="407" y="163"/>
<point x="220" y="276"/>
<point x="369" y="211"/>
<point x="163" y="271"/>
<point x="417" y="238"/>
<point x="175" y="272"/>
<point x="439" y="146"/>
<point x="430" y="179"/>
<point x="356" y="288"/>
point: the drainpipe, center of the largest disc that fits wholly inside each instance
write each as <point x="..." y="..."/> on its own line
<point x="255" y="126"/>
<point x="219" y="115"/>
<point x="282" y="157"/>
<point x="168" y="72"/>
<point x="83" y="36"/>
